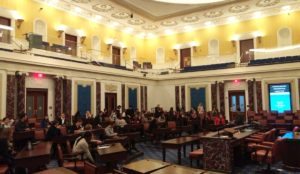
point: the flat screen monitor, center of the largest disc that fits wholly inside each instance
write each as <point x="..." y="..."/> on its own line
<point x="280" y="97"/>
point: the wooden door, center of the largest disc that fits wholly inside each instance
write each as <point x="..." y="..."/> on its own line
<point x="110" y="102"/>
<point x="71" y="43"/>
<point x="36" y="103"/>
<point x="185" y="57"/>
<point x="245" y="54"/>
<point x="116" y="55"/>
<point x="236" y="100"/>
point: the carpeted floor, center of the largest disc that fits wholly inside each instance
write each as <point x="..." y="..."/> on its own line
<point x="152" y="151"/>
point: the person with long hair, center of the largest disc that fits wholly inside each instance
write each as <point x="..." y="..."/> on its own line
<point x="81" y="145"/>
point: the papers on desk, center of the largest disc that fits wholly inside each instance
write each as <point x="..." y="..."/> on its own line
<point x="104" y="146"/>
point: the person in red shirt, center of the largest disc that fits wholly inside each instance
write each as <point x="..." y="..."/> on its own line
<point x="217" y="120"/>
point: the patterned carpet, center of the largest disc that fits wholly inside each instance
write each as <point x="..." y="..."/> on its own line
<point x="152" y="151"/>
<point x="155" y="152"/>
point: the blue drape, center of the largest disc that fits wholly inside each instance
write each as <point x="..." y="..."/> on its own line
<point x="84" y="99"/>
<point x="197" y="96"/>
<point x="132" y="97"/>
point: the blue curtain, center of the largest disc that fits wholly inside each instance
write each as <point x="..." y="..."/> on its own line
<point x="198" y="96"/>
<point x="84" y="99"/>
<point x="132" y="97"/>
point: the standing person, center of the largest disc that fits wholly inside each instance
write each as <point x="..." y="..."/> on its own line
<point x="53" y="131"/>
<point x="62" y="120"/>
<point x="81" y="145"/>
<point x="22" y="124"/>
<point x="45" y="123"/>
<point x="88" y="118"/>
<point x="98" y="120"/>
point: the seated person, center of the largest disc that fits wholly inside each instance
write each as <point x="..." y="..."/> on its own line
<point x="222" y="119"/>
<point x="6" y="122"/>
<point x="109" y="130"/>
<point x="120" y="121"/>
<point x="22" y="124"/>
<point x="153" y="125"/>
<point x="77" y="126"/>
<point x="88" y="118"/>
<point x="89" y="127"/>
<point x="45" y="123"/>
<point x="53" y="131"/>
<point x="217" y="120"/>
<point x="239" y="119"/>
<point x="6" y="152"/>
<point x="62" y="120"/>
<point x="81" y="145"/>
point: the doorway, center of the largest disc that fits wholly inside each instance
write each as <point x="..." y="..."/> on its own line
<point x="116" y="55"/>
<point x="185" y="57"/>
<point x="110" y="102"/>
<point x="236" y="100"/>
<point x="36" y="103"/>
<point x="71" y="43"/>
<point x="245" y="54"/>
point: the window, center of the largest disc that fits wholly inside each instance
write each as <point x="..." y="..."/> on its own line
<point x="213" y="47"/>
<point x="4" y="33"/>
<point x="40" y="28"/>
<point x="160" y="55"/>
<point x="284" y="37"/>
<point x="71" y="43"/>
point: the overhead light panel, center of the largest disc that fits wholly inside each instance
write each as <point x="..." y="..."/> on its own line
<point x="189" y="1"/>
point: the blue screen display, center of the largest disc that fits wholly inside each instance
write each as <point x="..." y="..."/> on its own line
<point x="280" y="97"/>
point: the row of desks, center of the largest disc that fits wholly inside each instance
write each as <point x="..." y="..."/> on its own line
<point x="148" y="166"/>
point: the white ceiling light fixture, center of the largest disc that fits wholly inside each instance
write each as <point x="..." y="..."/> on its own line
<point x="190" y="1"/>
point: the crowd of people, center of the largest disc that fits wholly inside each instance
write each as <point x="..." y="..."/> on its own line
<point x="197" y="117"/>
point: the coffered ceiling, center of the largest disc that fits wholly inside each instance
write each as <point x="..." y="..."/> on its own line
<point x="150" y="17"/>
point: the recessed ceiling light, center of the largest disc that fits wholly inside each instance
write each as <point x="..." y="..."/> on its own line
<point x="128" y="30"/>
<point x="208" y="23"/>
<point x="188" y="28"/>
<point x="52" y="2"/>
<point x="77" y="9"/>
<point x="231" y="19"/>
<point x="189" y="1"/>
<point x="257" y="14"/>
<point x="286" y="8"/>
<point x="150" y="35"/>
<point x="98" y="17"/>
<point x="168" y="31"/>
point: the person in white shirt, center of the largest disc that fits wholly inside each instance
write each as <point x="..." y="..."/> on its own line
<point x="109" y="130"/>
<point x="81" y="146"/>
<point x="120" y="122"/>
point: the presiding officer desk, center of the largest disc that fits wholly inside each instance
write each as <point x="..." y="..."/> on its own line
<point x="222" y="148"/>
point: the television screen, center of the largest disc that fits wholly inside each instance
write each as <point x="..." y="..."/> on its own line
<point x="280" y="97"/>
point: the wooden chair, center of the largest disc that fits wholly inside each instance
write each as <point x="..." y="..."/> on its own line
<point x="90" y="168"/>
<point x="63" y="130"/>
<point x="39" y="134"/>
<point x="4" y="169"/>
<point x="69" y="161"/>
<point x="296" y="122"/>
<point x="196" y="154"/>
<point x="267" y="153"/>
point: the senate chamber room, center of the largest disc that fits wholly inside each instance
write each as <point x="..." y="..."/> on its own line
<point x="149" y="86"/>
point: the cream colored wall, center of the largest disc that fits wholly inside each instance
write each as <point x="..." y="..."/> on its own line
<point x="86" y="82"/>
<point x="43" y="83"/>
<point x="294" y="90"/>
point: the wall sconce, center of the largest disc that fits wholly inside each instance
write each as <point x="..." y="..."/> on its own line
<point x="124" y="50"/>
<point x="82" y="39"/>
<point x="233" y="42"/>
<point x="108" y="46"/>
<point x="194" y="48"/>
<point x="259" y="39"/>
<point x="60" y="32"/>
<point x="19" y="22"/>
<point x="175" y="51"/>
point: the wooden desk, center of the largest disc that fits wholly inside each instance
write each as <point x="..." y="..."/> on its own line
<point x="220" y="152"/>
<point x="59" y="170"/>
<point x="177" y="143"/>
<point x="35" y="158"/>
<point x="145" y="166"/>
<point x="115" y="153"/>
<point x="175" y="169"/>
